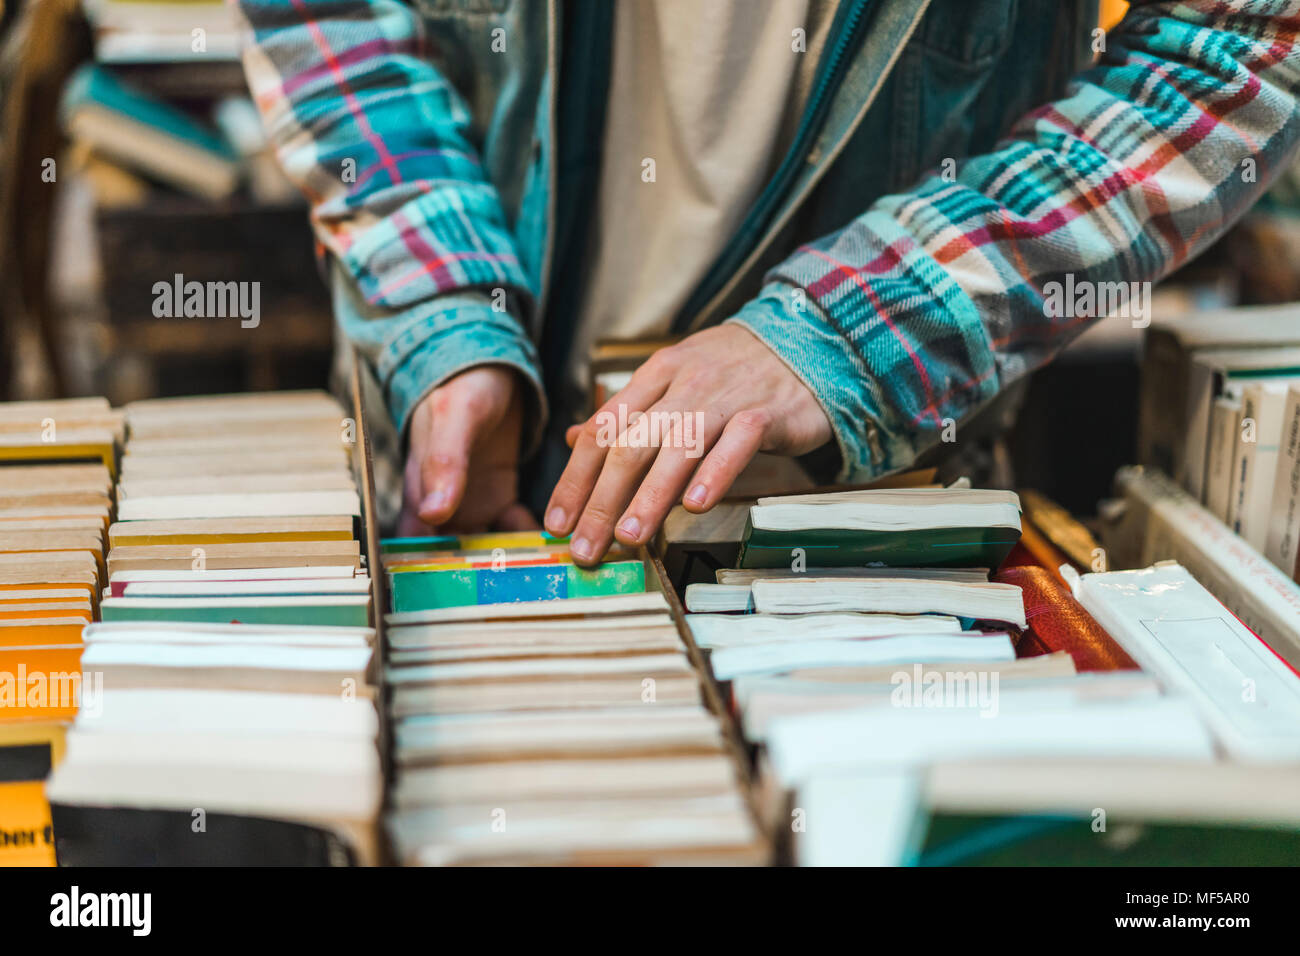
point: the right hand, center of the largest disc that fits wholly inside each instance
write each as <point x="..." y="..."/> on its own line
<point x="466" y="433"/>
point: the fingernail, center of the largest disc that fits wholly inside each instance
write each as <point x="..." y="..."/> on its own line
<point x="697" y="495"/>
<point x="580" y="548"/>
<point x="555" y="520"/>
<point x="435" y="501"/>
<point x="630" y="527"/>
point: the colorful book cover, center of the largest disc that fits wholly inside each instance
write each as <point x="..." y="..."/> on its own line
<point x="506" y="540"/>
<point x="427" y="590"/>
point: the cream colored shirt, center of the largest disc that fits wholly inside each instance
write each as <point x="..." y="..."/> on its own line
<point x="704" y="98"/>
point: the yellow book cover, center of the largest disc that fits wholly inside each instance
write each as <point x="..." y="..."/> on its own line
<point x="29" y="750"/>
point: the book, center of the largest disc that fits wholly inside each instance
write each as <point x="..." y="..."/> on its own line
<point x="748" y="576"/>
<point x="712" y="631"/>
<point x="623" y="777"/>
<point x="1055" y="621"/>
<point x="903" y="527"/>
<point x="29" y="750"/>
<point x="869" y="818"/>
<point x="146" y="134"/>
<point x="320" y="610"/>
<point x="1208" y="374"/>
<point x="973" y="647"/>
<point x="1161" y="522"/>
<point x="1165" y="408"/>
<point x="1221" y="472"/>
<point x="978" y="601"/>
<point x="857" y="740"/>
<point x="628" y="732"/>
<point x="1177" y="630"/>
<point x="423" y="590"/>
<point x="704" y="598"/>
<point x="1280" y="545"/>
<point x="949" y="684"/>
<point x="1157" y="812"/>
<point x="1263" y="406"/>
<point x="712" y="830"/>
<point x="605" y="606"/>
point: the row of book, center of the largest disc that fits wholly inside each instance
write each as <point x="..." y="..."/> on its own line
<point x="920" y="712"/>
<point x="1221" y="413"/>
<point x="225" y="707"/>
<point x="545" y="716"/>
<point x="58" y="460"/>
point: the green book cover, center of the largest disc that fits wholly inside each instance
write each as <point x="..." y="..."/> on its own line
<point x="312" y="615"/>
<point x="1034" y="840"/>
<point x="839" y="547"/>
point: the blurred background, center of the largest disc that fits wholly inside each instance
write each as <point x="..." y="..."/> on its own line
<point x="131" y="153"/>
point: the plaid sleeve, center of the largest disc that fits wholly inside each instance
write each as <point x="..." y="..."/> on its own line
<point x="921" y="309"/>
<point x="378" y="141"/>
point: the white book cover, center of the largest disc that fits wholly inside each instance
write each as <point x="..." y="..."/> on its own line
<point x="1178" y="631"/>
<point x="974" y="646"/>
<point x="883" y="737"/>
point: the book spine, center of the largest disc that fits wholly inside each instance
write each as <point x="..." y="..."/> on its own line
<point x="1225" y="422"/>
<point x="1243" y="467"/>
<point x="1201" y="392"/>
<point x="1284" y="518"/>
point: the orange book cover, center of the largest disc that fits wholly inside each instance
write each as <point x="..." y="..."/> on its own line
<point x="62" y="630"/>
<point x="40" y="683"/>
<point x="26" y="612"/>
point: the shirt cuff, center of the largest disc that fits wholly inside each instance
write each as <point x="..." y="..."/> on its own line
<point x="415" y="350"/>
<point x="870" y="438"/>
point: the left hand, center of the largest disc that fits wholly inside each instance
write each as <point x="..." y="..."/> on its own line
<point x="730" y="397"/>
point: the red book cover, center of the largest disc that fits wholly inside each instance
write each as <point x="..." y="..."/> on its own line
<point x="1057" y="622"/>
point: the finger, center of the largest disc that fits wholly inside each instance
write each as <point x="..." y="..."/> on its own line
<point x="445" y="462"/>
<point x="663" y="484"/>
<point x="740" y="441"/>
<point x="573" y="489"/>
<point x="517" y="518"/>
<point x="625" y="466"/>
<point x="597" y="437"/>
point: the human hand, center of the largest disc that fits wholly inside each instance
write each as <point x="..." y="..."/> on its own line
<point x="731" y="396"/>
<point x="466" y="433"/>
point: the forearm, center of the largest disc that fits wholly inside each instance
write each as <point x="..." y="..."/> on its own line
<point x="426" y="276"/>
<point x="924" y="307"/>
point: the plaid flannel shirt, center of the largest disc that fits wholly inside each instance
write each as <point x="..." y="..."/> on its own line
<point x="914" y="314"/>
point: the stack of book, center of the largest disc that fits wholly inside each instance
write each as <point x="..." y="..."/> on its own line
<point x="560" y="729"/>
<point x="133" y="31"/>
<point x="233" y="661"/>
<point x="868" y="690"/>
<point x="57" y="461"/>
<point x="1221" y="413"/>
